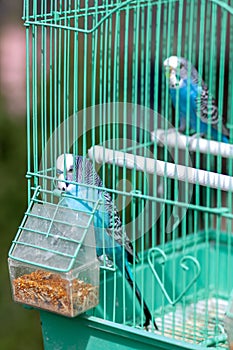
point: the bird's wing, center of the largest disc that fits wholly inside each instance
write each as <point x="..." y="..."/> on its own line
<point x="86" y="174"/>
<point x="115" y="225"/>
<point x="209" y="110"/>
<point x="208" y="107"/>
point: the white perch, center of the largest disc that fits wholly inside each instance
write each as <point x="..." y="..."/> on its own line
<point x="172" y="138"/>
<point x="152" y="166"/>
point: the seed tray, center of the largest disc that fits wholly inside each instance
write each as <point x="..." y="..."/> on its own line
<point x="50" y="291"/>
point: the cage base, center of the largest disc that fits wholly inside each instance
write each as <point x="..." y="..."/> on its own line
<point x="84" y="332"/>
<point x="196" y="323"/>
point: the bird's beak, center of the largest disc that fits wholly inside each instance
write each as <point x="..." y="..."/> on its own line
<point x="61" y="185"/>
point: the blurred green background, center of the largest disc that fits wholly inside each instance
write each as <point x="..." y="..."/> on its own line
<point x="20" y="328"/>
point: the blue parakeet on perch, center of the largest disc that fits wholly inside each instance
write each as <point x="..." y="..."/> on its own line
<point x="113" y="240"/>
<point x="183" y="76"/>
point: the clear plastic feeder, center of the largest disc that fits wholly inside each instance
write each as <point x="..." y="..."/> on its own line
<point x="52" y="260"/>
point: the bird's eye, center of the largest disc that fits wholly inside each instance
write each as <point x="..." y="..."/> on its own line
<point x="181" y="65"/>
<point x="71" y="169"/>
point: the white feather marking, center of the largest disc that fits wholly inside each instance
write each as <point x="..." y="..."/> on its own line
<point x="64" y="165"/>
<point x="171" y="61"/>
<point x="65" y="160"/>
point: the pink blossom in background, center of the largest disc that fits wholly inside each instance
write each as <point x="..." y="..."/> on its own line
<point x="13" y="69"/>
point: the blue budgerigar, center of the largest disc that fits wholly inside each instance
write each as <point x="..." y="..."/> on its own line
<point x="113" y="240"/>
<point x="184" y="77"/>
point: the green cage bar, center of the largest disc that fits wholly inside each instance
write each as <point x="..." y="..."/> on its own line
<point x="97" y="88"/>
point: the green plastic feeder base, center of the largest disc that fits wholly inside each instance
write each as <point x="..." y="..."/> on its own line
<point x="88" y="333"/>
<point x="196" y="322"/>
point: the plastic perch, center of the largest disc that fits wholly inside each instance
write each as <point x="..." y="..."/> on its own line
<point x="172" y="138"/>
<point x="152" y="166"/>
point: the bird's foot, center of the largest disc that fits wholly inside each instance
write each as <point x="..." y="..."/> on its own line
<point x="182" y="130"/>
<point x="161" y="135"/>
<point x="105" y="261"/>
<point x="192" y="138"/>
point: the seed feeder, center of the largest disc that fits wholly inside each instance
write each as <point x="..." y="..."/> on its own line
<point x="52" y="260"/>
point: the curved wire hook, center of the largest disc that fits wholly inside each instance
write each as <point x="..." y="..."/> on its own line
<point x="184" y="266"/>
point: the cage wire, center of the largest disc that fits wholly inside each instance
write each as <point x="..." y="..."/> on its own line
<point x="95" y="77"/>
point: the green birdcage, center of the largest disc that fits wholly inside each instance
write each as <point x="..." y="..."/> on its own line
<point x="97" y="88"/>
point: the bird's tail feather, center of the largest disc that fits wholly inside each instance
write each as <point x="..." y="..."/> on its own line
<point x="147" y="313"/>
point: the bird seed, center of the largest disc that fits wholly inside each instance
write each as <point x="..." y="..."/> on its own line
<point x="51" y="292"/>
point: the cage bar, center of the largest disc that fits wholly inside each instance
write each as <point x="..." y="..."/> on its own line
<point x="97" y="88"/>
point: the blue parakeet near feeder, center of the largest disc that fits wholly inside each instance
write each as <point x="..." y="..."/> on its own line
<point x="113" y="240"/>
<point x="184" y="77"/>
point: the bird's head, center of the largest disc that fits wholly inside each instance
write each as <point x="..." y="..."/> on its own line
<point x="177" y="69"/>
<point x="65" y="170"/>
